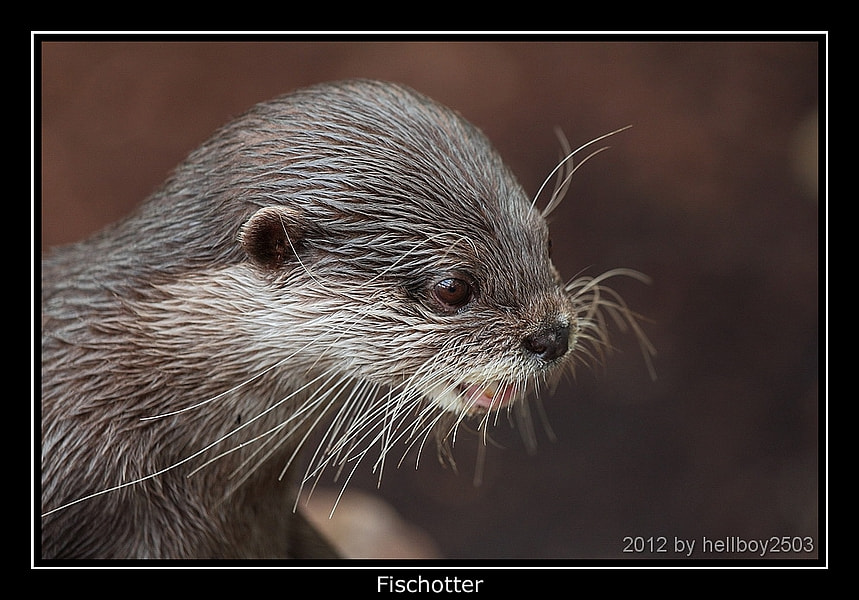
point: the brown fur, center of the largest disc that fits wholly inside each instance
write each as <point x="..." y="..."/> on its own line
<point x="351" y="260"/>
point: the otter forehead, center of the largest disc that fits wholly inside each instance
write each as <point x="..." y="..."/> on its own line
<point x="375" y="166"/>
<point x="370" y="149"/>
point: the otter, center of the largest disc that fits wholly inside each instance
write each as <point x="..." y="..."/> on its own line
<point x="338" y="270"/>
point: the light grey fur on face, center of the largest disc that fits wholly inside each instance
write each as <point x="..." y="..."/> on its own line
<point x="352" y="264"/>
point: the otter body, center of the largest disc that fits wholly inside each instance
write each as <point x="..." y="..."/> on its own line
<point x="351" y="260"/>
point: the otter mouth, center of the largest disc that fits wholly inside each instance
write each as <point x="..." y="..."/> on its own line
<point x="475" y="398"/>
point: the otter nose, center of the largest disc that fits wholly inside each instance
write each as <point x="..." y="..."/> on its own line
<point x="549" y="343"/>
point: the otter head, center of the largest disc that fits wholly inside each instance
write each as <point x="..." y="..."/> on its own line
<point x="408" y="275"/>
<point x="428" y="260"/>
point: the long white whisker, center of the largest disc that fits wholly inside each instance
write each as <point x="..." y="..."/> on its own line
<point x="558" y="195"/>
<point x="186" y="459"/>
<point x="588" y="292"/>
<point x="569" y="156"/>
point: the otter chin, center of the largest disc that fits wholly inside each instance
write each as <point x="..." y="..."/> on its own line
<point x="339" y="273"/>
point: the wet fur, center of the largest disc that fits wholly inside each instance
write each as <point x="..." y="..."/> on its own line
<point x="279" y="288"/>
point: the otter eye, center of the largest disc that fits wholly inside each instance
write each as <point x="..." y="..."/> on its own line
<point x="452" y="293"/>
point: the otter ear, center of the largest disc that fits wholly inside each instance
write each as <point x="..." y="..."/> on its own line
<point x="271" y="236"/>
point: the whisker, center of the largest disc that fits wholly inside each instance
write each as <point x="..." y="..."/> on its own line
<point x="187" y="458"/>
<point x="562" y="163"/>
<point x="588" y="293"/>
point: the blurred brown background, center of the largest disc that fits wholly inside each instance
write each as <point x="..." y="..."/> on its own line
<point x="713" y="193"/>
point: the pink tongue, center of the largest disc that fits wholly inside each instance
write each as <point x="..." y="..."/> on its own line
<point x="483" y="397"/>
